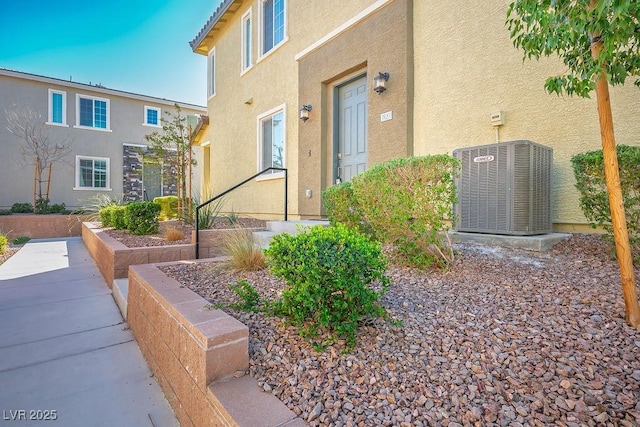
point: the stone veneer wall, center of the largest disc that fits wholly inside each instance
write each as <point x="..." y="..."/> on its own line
<point x="132" y="172"/>
<point x="188" y="347"/>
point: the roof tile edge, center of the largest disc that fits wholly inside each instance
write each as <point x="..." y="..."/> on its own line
<point x="211" y="22"/>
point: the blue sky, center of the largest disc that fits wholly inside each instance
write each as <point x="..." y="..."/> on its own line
<point x="139" y="46"/>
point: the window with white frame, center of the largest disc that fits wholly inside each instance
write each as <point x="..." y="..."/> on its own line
<point x="273" y="13"/>
<point x="92" y="173"/>
<point x="271" y="138"/>
<point x="211" y="67"/>
<point x="247" y="60"/>
<point x="57" y="107"/>
<point x="152" y="116"/>
<point x="92" y="112"/>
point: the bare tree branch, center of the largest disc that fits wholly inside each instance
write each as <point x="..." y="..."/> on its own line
<point x="38" y="148"/>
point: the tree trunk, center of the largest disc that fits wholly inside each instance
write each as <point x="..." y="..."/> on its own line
<point x="35" y="184"/>
<point x="616" y="204"/>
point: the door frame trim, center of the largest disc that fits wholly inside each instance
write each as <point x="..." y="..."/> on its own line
<point x="335" y="132"/>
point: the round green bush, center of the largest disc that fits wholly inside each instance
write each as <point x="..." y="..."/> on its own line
<point x="328" y="271"/>
<point x="142" y="217"/>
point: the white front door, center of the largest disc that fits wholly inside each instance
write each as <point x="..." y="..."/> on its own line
<point x="352" y="129"/>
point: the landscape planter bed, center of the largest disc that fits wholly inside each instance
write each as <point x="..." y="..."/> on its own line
<point x="113" y="258"/>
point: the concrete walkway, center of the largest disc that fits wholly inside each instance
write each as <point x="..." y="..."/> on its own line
<point x="65" y="351"/>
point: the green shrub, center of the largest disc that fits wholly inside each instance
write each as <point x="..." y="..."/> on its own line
<point x="44" y="208"/>
<point x="5" y="212"/>
<point x="22" y="208"/>
<point x="343" y="208"/>
<point x="409" y="203"/>
<point x="3" y="243"/>
<point x="113" y="216"/>
<point x="117" y="217"/>
<point x="248" y="297"/>
<point x="142" y="217"/>
<point x="168" y="207"/>
<point x="328" y="271"/>
<point x="21" y="240"/>
<point x="105" y="216"/>
<point x="588" y="169"/>
<point x="59" y="208"/>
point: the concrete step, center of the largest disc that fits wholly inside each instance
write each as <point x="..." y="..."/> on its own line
<point x="119" y="291"/>
<point x="241" y="402"/>
<point x="263" y="238"/>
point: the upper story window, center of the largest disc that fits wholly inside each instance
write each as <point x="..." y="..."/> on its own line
<point x="273" y="24"/>
<point x="247" y="60"/>
<point x="151" y="116"/>
<point x="92" y="173"/>
<point x="92" y="112"/>
<point x="271" y="138"/>
<point x="211" y="78"/>
<point x="57" y="107"/>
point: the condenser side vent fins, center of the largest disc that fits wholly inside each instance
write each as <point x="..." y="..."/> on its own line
<point x="505" y="188"/>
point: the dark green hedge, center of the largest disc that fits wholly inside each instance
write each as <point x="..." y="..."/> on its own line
<point x="588" y="169"/>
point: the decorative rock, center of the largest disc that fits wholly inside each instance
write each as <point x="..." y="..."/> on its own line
<point x="315" y="413"/>
<point x="506" y="337"/>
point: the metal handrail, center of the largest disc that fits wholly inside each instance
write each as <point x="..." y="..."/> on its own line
<point x="227" y="191"/>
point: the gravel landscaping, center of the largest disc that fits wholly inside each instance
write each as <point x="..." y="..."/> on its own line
<point x="507" y="338"/>
<point x="9" y="251"/>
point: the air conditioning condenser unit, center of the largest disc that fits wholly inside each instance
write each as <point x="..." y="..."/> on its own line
<point x="505" y="188"/>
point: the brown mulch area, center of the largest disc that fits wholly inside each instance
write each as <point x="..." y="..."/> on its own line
<point x="158" y="239"/>
<point x="506" y="338"/>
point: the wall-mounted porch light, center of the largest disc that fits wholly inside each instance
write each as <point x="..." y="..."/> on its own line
<point x="304" y="112"/>
<point x="380" y="82"/>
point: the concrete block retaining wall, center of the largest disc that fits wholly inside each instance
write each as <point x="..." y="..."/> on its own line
<point x="41" y="226"/>
<point x="113" y="258"/>
<point x="187" y="346"/>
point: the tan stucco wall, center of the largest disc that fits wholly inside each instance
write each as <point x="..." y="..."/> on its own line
<point x="240" y="99"/>
<point x="466" y="67"/>
<point x="463" y="68"/>
<point x="379" y="43"/>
